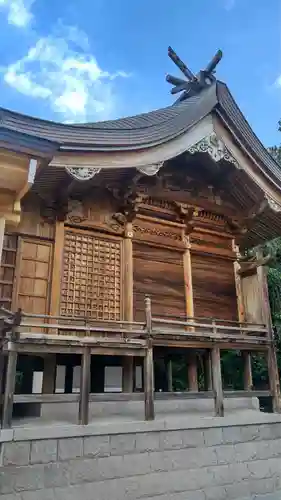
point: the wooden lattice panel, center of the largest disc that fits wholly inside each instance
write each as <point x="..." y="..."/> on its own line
<point x="7" y="270"/>
<point x="91" y="283"/>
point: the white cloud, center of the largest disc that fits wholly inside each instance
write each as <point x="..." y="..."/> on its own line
<point x="277" y="82"/>
<point x="18" y="11"/>
<point x="59" y="70"/>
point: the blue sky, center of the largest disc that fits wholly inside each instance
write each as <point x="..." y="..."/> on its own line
<point x="86" y="60"/>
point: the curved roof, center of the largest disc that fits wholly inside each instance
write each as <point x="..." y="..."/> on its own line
<point x="142" y="131"/>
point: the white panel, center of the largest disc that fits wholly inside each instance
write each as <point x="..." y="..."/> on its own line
<point x="138" y="377"/>
<point x="60" y="378"/>
<point x="37" y="382"/>
<point x="76" y="378"/>
<point x="113" y="379"/>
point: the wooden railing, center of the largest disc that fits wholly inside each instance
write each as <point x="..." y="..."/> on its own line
<point x="22" y="328"/>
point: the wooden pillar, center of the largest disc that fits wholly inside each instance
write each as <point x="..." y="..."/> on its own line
<point x="9" y="388"/>
<point x="187" y="270"/>
<point x="273" y="371"/>
<point x="49" y="374"/>
<point x="85" y="384"/>
<point x="170" y="375"/>
<point x="2" y="234"/>
<point x="192" y="372"/>
<point x="248" y="378"/>
<point x="128" y="374"/>
<point x="128" y="361"/>
<point x="217" y="381"/>
<point x="57" y="269"/>
<point x="148" y="366"/>
<point x="238" y="287"/>
<point x="208" y="383"/>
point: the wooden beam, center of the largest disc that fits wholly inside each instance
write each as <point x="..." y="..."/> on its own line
<point x="149" y="383"/>
<point x="248" y="378"/>
<point x="170" y="375"/>
<point x="192" y="371"/>
<point x="49" y="374"/>
<point x="217" y="381"/>
<point x="187" y="270"/>
<point x="148" y="366"/>
<point x="238" y="286"/>
<point x="57" y="269"/>
<point x="208" y="383"/>
<point x="128" y="362"/>
<point x="9" y="389"/>
<point x="85" y="387"/>
<point x="273" y="371"/>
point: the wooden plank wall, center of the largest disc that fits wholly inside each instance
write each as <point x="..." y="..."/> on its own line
<point x="213" y="287"/>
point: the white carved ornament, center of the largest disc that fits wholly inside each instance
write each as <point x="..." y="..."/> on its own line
<point x="83" y="173"/>
<point x="273" y="205"/>
<point x="150" y="170"/>
<point x="215" y="147"/>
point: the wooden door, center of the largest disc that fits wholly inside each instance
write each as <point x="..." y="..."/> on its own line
<point x="7" y="270"/>
<point x="91" y="278"/>
<point x="33" y="281"/>
<point x="252" y="298"/>
<point x="159" y="274"/>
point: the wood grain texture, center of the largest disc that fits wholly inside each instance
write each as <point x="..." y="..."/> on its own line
<point x="33" y="283"/>
<point x="7" y="270"/>
<point x="92" y="276"/>
<point x="213" y="287"/>
<point x="57" y="269"/>
<point x="159" y="274"/>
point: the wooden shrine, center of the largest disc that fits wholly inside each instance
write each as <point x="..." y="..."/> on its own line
<point x="131" y="242"/>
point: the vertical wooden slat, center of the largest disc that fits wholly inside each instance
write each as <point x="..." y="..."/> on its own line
<point x="273" y="371"/>
<point x="2" y="233"/>
<point x="170" y="375"/>
<point x="192" y="371"/>
<point x="238" y="286"/>
<point x="9" y="389"/>
<point x="217" y="381"/>
<point x="187" y="269"/>
<point x="128" y="361"/>
<point x="148" y="366"/>
<point x="208" y="383"/>
<point x="49" y="374"/>
<point x="85" y="386"/>
<point x="57" y="269"/>
<point x="248" y="378"/>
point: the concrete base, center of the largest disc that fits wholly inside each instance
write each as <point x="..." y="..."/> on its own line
<point x="200" y="458"/>
<point x="134" y="410"/>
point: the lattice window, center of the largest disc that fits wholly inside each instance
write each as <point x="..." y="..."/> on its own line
<point x="91" y="284"/>
<point x="7" y="270"/>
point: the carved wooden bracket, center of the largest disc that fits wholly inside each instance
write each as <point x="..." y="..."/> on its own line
<point x="215" y="148"/>
<point x="250" y="266"/>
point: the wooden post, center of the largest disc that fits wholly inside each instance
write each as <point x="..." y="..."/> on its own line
<point x="57" y="269"/>
<point x="238" y="287"/>
<point x="85" y="387"/>
<point x="128" y="374"/>
<point x="248" y="378"/>
<point x="217" y="381"/>
<point x="128" y="361"/>
<point x="49" y="374"/>
<point x="273" y="371"/>
<point x="170" y="375"/>
<point x="208" y="383"/>
<point x="192" y="372"/>
<point x="9" y="388"/>
<point x="187" y="270"/>
<point x="148" y="366"/>
<point x="2" y="234"/>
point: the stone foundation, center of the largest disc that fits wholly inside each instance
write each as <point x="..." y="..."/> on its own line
<point x="197" y="458"/>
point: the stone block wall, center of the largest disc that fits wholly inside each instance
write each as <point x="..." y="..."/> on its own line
<point x="214" y="460"/>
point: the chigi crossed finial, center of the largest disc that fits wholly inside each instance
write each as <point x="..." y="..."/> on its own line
<point x="194" y="83"/>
